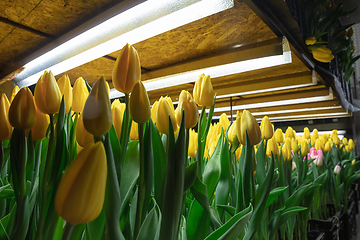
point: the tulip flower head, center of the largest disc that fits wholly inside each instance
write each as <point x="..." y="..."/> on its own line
<point x="139" y="104"/>
<point x="203" y="91"/>
<point x="266" y="127"/>
<point x="83" y="137"/>
<point x="289" y="133"/>
<point x="97" y="115"/>
<point x="310" y="41"/>
<point x="187" y="103"/>
<point x="80" y="94"/>
<point x="344" y="141"/>
<point x="286" y="153"/>
<point x="5" y="126"/>
<point x="323" y="54"/>
<point x="232" y="134"/>
<point x="47" y="94"/>
<point x="353" y="162"/>
<point x="328" y="146"/>
<point x="351" y="144"/>
<point x="319" y="158"/>
<point x="319" y="145"/>
<point x="294" y="145"/>
<point x="224" y="121"/>
<point x="337" y="169"/>
<point x="66" y="90"/>
<point x="165" y="109"/>
<point x="193" y="141"/>
<point x="127" y="69"/>
<point x="118" y="110"/>
<point x="249" y="124"/>
<point x="134" y="131"/>
<point x="14" y="92"/>
<point x="279" y="136"/>
<point x="38" y="131"/>
<point x="293" y="167"/>
<point x="306" y="133"/>
<point x="81" y="192"/>
<point x="22" y="113"/>
<point x="271" y="147"/>
<point x="304" y="148"/>
<point x="154" y="111"/>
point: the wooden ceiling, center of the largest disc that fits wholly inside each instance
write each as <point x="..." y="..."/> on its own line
<point x="27" y="26"/>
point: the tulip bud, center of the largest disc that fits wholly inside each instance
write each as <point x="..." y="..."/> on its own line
<point x="154" y="111"/>
<point x="224" y="121"/>
<point x="323" y="54"/>
<point x="139" y="104"/>
<point x="66" y="90"/>
<point x="80" y="195"/>
<point x="351" y="144"/>
<point x="193" y="141"/>
<point x="187" y="103"/>
<point x="5" y="127"/>
<point x="165" y="108"/>
<point x="306" y="133"/>
<point x="293" y="168"/>
<point x="336" y="140"/>
<point x="38" y="131"/>
<point x="271" y="147"/>
<point x="353" y="162"/>
<point x="80" y="94"/>
<point x="286" y="153"/>
<point x="279" y="136"/>
<point x="22" y="113"/>
<point x="319" y="158"/>
<point x="249" y="124"/>
<point x="294" y="146"/>
<point x="232" y="134"/>
<point x="318" y="145"/>
<point x="203" y="91"/>
<point x="304" y="149"/>
<point x="15" y="90"/>
<point x="328" y="146"/>
<point x="83" y="137"/>
<point x="97" y="114"/>
<point x="315" y="133"/>
<point x="333" y="134"/>
<point x="127" y="70"/>
<point x="47" y="94"/>
<point x="310" y="41"/>
<point x="238" y="152"/>
<point x="267" y="130"/>
<point x="312" y="140"/>
<point x="289" y="132"/>
<point x="337" y="169"/>
<point x="118" y="110"/>
<point x="134" y="131"/>
<point x="344" y="141"/>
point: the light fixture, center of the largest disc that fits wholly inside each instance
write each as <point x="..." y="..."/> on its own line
<point x="138" y="20"/>
<point x="266" y="54"/>
<point x="307" y="116"/>
<point x="339" y="132"/>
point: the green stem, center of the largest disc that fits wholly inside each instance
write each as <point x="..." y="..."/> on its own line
<point x="22" y="169"/>
<point x="67" y="231"/>
<point x="199" y="152"/>
<point x="1" y="156"/>
<point x="45" y="187"/>
<point x="141" y="205"/>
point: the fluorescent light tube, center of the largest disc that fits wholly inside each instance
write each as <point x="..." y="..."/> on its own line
<point x="140" y="22"/>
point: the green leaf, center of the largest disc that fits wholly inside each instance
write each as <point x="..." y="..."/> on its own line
<point x="274" y="194"/>
<point x="96" y="227"/>
<point x="229" y="209"/>
<point x="150" y="229"/>
<point x="115" y="146"/>
<point x="198" y="222"/>
<point x="261" y="161"/>
<point x="190" y="176"/>
<point x="288" y="213"/>
<point x="232" y="228"/>
<point x="247" y="171"/>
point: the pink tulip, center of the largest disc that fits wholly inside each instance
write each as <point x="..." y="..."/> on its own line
<point x="337" y="169"/>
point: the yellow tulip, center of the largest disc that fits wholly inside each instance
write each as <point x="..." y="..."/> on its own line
<point x="294" y="146"/>
<point x="47" y="94"/>
<point x="333" y="134"/>
<point x="232" y="134"/>
<point x="328" y="146"/>
<point x="336" y="140"/>
<point x="186" y="102"/>
<point x="318" y="145"/>
<point x="38" y="131"/>
<point x="15" y="90"/>
<point x="134" y="131"/>
<point x="66" y="90"/>
<point x="313" y="140"/>
<point x="249" y="124"/>
<point x="193" y="141"/>
<point x="127" y="70"/>
<point x="154" y="111"/>
<point x="162" y="116"/>
<point x="267" y="130"/>
<point x="81" y="192"/>
<point x="271" y="147"/>
<point x="5" y="127"/>
<point x="304" y="148"/>
<point x="286" y="152"/>
<point x="118" y="110"/>
<point x="323" y="54"/>
<point x="83" y="137"/>
<point x="80" y="94"/>
<point x="289" y="132"/>
<point x="279" y="135"/>
<point x="22" y="113"/>
<point x="288" y="142"/>
<point x="97" y="114"/>
<point x="224" y="121"/>
<point x="310" y="41"/>
<point x="351" y="144"/>
<point x="139" y="104"/>
<point x="203" y="91"/>
<point x="323" y="138"/>
<point x="315" y="133"/>
<point x="306" y="133"/>
<point x="344" y="141"/>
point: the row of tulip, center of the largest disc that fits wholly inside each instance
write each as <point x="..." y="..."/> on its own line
<point x="75" y="166"/>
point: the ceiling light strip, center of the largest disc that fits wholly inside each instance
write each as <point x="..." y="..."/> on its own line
<point x="141" y="22"/>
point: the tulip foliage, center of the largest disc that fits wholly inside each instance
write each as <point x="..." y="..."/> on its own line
<point x="132" y="171"/>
